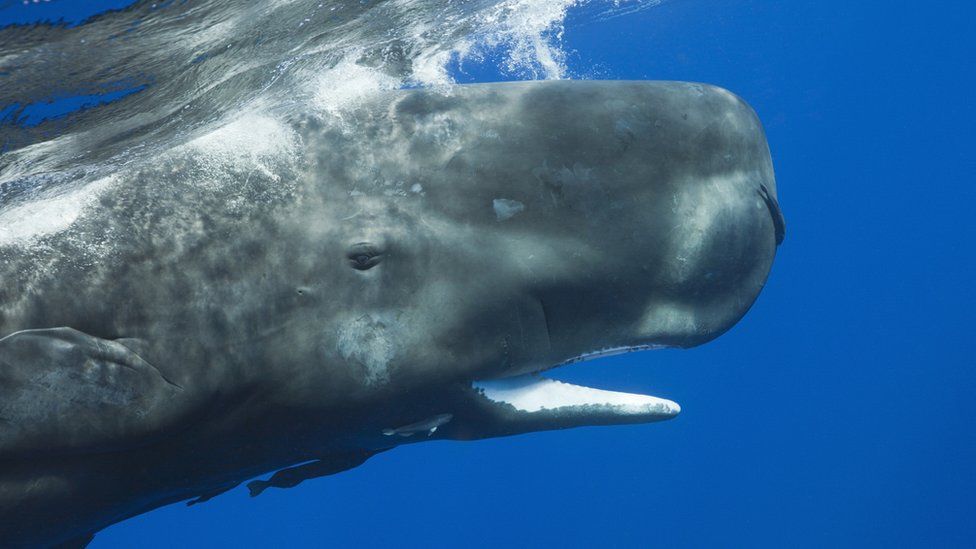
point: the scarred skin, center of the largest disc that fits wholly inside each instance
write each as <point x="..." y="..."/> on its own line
<point x="189" y="331"/>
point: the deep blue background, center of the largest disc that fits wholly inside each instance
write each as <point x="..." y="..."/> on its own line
<point x="840" y="411"/>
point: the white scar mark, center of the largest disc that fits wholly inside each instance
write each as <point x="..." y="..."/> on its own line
<point x="370" y="340"/>
<point x="506" y="209"/>
<point x="428" y="425"/>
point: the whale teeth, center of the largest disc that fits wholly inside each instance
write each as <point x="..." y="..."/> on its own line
<point x="532" y="393"/>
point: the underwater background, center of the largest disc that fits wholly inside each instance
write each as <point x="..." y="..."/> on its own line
<point x="839" y="412"/>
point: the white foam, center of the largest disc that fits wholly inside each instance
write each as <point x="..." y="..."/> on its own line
<point x="530" y="30"/>
<point x="531" y="393"/>
<point x="28" y="222"/>
<point x="252" y="136"/>
<point x="255" y="144"/>
<point x="529" y="33"/>
<point x="347" y="83"/>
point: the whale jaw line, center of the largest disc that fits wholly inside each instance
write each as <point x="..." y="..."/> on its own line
<point x="532" y="393"/>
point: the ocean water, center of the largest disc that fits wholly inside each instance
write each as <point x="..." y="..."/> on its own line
<point x="838" y="412"/>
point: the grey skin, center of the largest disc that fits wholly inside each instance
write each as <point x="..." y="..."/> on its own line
<point x="179" y="338"/>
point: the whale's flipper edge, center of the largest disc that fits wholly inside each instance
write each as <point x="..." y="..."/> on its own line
<point x="65" y="391"/>
<point x="329" y="465"/>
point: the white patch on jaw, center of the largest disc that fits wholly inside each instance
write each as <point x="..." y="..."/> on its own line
<point x="25" y="223"/>
<point x="370" y="340"/>
<point x="506" y="209"/>
<point x="529" y="393"/>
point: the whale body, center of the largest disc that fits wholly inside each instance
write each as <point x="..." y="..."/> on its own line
<point x="166" y="335"/>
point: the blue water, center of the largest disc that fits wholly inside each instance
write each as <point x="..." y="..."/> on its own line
<point x="31" y="115"/>
<point x="839" y="412"/>
<point x="64" y="13"/>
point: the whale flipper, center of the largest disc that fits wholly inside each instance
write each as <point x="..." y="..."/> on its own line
<point x="293" y="476"/>
<point x="62" y="390"/>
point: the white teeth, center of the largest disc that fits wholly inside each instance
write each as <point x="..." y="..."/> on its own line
<point x="612" y="351"/>
<point x="530" y="393"/>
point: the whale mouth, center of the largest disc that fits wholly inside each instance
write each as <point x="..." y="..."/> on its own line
<point x="535" y="394"/>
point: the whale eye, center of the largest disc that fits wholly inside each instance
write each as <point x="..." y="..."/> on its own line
<point x="363" y="256"/>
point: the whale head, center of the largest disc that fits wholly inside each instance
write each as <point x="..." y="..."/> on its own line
<point x="480" y="237"/>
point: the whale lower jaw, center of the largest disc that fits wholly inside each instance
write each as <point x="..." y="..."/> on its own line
<point x="531" y="393"/>
<point x="537" y="398"/>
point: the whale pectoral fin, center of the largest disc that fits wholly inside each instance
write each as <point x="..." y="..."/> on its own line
<point x="62" y="390"/>
<point x="293" y="476"/>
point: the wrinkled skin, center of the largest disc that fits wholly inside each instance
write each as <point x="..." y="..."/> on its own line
<point x="187" y="337"/>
